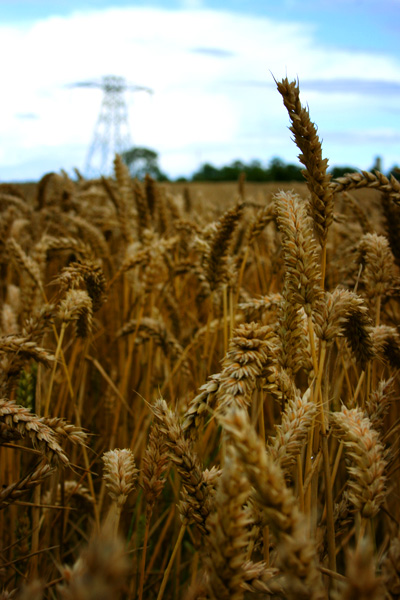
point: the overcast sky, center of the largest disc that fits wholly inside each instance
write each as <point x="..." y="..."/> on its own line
<point x="211" y="65"/>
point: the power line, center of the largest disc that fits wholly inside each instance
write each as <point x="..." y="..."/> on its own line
<point x="111" y="134"/>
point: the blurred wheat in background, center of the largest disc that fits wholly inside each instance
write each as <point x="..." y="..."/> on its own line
<point x="199" y="385"/>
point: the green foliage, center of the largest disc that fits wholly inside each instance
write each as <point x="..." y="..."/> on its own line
<point x="142" y="161"/>
<point x="395" y="171"/>
<point x="280" y="171"/>
<point x="277" y="170"/>
<point x="341" y="171"/>
<point x="26" y="390"/>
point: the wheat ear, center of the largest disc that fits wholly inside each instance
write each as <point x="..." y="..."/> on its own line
<point x="297" y="554"/>
<point x="306" y="139"/>
<point x="99" y="573"/>
<point x="291" y="434"/>
<point x="367" y="483"/>
<point x="120" y="475"/>
<point x="215" y="266"/>
<point x="302" y="271"/>
<point x="364" y="179"/>
<point x="229" y="532"/>
<point x="197" y="492"/>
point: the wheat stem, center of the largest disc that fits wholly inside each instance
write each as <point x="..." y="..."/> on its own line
<point x="317" y="392"/>
<point x="143" y="561"/>
<point x="171" y="562"/>
<point x="241" y="273"/>
<point x="225" y="307"/>
<point x="312" y="343"/>
<point x="58" y="349"/>
<point x="329" y="504"/>
<point x="323" y="264"/>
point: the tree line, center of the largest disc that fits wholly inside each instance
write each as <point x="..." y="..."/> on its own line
<point x="276" y="170"/>
<point x="143" y="160"/>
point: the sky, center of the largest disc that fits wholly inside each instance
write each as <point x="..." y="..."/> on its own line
<point x="211" y="66"/>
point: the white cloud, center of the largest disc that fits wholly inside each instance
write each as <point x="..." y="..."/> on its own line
<point x="197" y="105"/>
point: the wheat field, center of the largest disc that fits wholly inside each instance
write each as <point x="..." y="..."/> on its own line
<point x="199" y="386"/>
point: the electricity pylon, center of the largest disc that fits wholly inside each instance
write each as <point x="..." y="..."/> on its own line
<point x="111" y="134"/>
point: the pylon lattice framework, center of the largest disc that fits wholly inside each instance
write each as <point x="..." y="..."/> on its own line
<point x="111" y="134"/>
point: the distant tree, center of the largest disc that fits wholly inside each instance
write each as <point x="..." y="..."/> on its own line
<point x="142" y="161"/>
<point x="280" y="171"/>
<point x="256" y="172"/>
<point x="231" y="172"/>
<point x="341" y="171"/>
<point x="206" y="173"/>
<point x="395" y="171"/>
